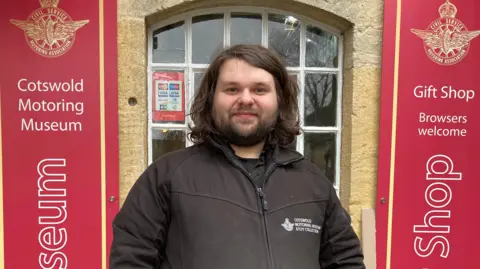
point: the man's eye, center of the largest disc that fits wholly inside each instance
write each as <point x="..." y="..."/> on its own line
<point x="231" y="90"/>
<point x="260" y="90"/>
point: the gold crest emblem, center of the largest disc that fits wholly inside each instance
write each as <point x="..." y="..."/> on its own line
<point x="446" y="40"/>
<point x="49" y="30"/>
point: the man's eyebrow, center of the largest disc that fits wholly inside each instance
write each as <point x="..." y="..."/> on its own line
<point x="261" y="83"/>
<point x="234" y="83"/>
<point x="226" y="82"/>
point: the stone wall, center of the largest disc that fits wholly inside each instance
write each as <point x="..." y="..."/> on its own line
<point x="361" y="23"/>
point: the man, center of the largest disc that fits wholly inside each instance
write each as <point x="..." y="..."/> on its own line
<point x="238" y="198"/>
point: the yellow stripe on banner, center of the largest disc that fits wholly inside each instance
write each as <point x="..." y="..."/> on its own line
<point x="394" y="132"/>
<point x="2" y="238"/>
<point x="102" y="135"/>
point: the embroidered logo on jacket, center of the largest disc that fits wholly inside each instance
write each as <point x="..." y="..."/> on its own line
<point x="301" y="225"/>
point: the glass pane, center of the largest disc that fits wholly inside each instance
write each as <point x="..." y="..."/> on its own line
<point x="168" y="97"/>
<point x="207" y="37"/>
<point x="246" y="29"/>
<point x="320" y="149"/>
<point x="169" y="44"/>
<point x="284" y="37"/>
<point x="164" y="141"/>
<point x="321" y="48"/>
<point x="197" y="78"/>
<point x="320" y="100"/>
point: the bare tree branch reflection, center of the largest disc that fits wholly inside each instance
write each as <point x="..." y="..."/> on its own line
<point x="320" y="89"/>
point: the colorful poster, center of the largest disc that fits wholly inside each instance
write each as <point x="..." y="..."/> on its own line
<point x="429" y="129"/>
<point x="168" y="97"/>
<point x="59" y="133"/>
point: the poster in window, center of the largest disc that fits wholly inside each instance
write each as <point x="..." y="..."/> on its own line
<point x="168" y="97"/>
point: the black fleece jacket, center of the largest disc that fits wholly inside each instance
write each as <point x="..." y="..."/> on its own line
<point x="199" y="208"/>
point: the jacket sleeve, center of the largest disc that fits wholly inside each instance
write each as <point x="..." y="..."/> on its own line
<point x="340" y="246"/>
<point x="141" y="225"/>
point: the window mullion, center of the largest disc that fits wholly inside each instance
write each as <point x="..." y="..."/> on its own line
<point x="150" y="108"/>
<point x="325" y="70"/>
<point x="300" y="143"/>
<point x="303" y="38"/>
<point x="169" y="126"/>
<point x="149" y="95"/>
<point x="265" y="29"/>
<point x="199" y="66"/>
<point x="339" y="114"/>
<point x="188" y="40"/>
<point x="188" y="97"/>
<point x="169" y="66"/>
<point x="150" y="46"/>
<point x="301" y="105"/>
<point x="318" y="129"/>
<point x="188" y="101"/>
<point x="227" y="29"/>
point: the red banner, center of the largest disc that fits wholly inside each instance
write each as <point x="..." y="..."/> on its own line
<point x="429" y="129"/>
<point x="59" y="129"/>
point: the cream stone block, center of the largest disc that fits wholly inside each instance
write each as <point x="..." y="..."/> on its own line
<point x="132" y="77"/>
<point x="364" y="141"/>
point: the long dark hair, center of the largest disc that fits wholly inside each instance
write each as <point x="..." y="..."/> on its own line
<point x="288" y="124"/>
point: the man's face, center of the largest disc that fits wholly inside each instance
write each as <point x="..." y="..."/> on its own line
<point x="245" y="106"/>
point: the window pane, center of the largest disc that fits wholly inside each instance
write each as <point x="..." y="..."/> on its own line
<point x="320" y="100"/>
<point x="321" y="48"/>
<point x="168" y="97"/>
<point x="169" y="44"/>
<point x="284" y="37"/>
<point x="207" y="37"/>
<point x="164" y="141"/>
<point x="320" y="149"/>
<point x="197" y="78"/>
<point x="246" y="29"/>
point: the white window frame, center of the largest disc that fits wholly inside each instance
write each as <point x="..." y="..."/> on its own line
<point x="300" y="71"/>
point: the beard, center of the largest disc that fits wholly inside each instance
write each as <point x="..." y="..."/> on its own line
<point x="243" y="134"/>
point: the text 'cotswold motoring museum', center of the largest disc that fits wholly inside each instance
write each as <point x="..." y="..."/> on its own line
<point x="92" y="92"/>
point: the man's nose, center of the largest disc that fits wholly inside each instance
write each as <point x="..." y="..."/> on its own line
<point x="246" y="97"/>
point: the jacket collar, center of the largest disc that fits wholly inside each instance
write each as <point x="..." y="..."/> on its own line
<point x="279" y="154"/>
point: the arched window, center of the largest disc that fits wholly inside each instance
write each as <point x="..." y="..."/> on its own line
<point x="180" y="49"/>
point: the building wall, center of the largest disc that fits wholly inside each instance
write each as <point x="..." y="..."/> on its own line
<point x="361" y="23"/>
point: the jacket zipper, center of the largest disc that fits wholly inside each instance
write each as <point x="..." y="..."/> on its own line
<point x="264" y="206"/>
<point x="261" y="195"/>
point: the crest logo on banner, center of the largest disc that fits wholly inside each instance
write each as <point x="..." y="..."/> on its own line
<point x="447" y="39"/>
<point x="49" y="30"/>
